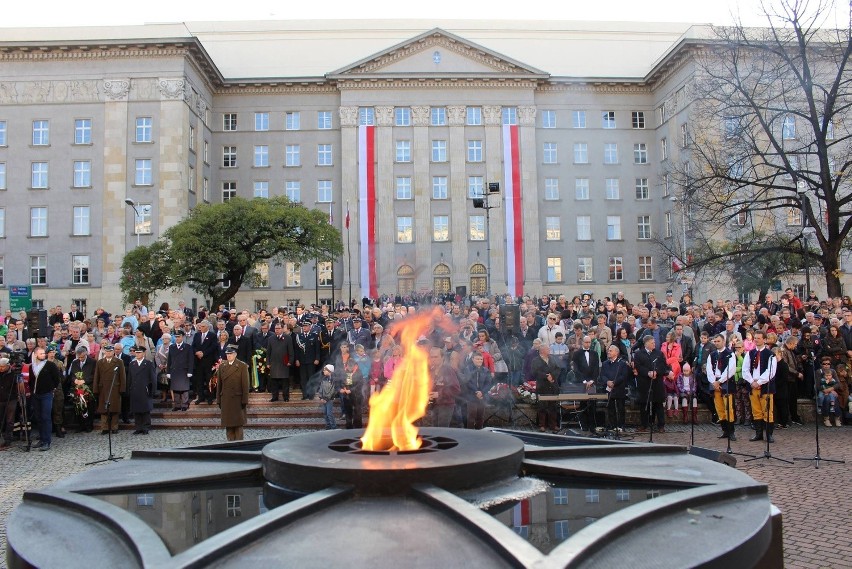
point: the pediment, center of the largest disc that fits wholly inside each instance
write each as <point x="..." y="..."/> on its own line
<point x="437" y="53"/>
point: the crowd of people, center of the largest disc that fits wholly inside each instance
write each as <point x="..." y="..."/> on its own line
<point x="747" y="363"/>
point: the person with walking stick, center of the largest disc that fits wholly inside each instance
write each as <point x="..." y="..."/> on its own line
<point x="759" y="367"/>
<point x="721" y="367"/>
<point x="615" y="374"/>
<point x="651" y="368"/>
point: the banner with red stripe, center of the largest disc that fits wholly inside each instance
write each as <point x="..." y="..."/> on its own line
<point x="514" y="218"/>
<point x="367" y="209"/>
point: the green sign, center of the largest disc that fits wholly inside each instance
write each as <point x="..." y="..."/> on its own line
<point x="20" y="298"/>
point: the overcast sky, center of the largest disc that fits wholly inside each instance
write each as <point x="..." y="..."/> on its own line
<point x="17" y="13"/>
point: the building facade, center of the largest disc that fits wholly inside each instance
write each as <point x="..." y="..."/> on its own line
<point x="110" y="136"/>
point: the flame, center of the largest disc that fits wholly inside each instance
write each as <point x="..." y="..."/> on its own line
<point x="405" y="397"/>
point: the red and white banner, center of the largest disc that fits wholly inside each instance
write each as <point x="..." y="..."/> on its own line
<point x="367" y="209"/>
<point x="514" y="223"/>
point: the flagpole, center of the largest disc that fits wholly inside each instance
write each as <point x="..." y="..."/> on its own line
<point x="348" y="255"/>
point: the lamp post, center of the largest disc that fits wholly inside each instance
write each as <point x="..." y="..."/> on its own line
<point x="132" y="204"/>
<point x="482" y="203"/>
<point x="805" y="247"/>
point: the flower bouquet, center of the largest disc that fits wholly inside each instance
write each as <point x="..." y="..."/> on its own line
<point x="82" y="395"/>
<point x="500" y="394"/>
<point x="526" y="391"/>
<point x="214" y="379"/>
<point x="260" y="368"/>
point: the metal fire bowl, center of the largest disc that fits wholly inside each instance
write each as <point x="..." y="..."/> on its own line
<point x="453" y="459"/>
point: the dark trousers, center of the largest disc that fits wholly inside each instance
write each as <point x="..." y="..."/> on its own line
<point x="201" y="380"/>
<point x="279" y="384"/>
<point x="548" y="417"/>
<point x="352" y="411"/>
<point x="782" y="403"/>
<point x="125" y="408"/>
<point x="475" y="413"/>
<point x="43" y="406"/>
<point x="306" y="370"/>
<point x="615" y="412"/>
<point x="792" y="400"/>
<point x="645" y="415"/>
<point x="142" y="421"/>
<point x="8" y="425"/>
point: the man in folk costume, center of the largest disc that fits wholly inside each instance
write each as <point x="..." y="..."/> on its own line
<point x="759" y="368"/>
<point x="232" y="393"/>
<point x="141" y="385"/>
<point x="106" y="367"/>
<point x="721" y="368"/>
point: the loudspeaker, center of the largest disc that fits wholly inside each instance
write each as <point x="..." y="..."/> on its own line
<point x="37" y="323"/>
<point x="510" y="319"/>
<point x="714" y="455"/>
<point x="461" y="291"/>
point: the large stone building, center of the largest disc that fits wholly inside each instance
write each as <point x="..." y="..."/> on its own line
<point x="568" y="119"/>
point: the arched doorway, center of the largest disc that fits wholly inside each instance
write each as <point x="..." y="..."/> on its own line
<point x="478" y="279"/>
<point x="441" y="279"/>
<point x="405" y="280"/>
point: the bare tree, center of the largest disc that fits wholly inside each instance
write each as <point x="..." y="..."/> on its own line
<point x="771" y="154"/>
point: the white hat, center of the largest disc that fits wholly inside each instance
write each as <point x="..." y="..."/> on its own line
<point x="330" y="368"/>
<point x="4" y="361"/>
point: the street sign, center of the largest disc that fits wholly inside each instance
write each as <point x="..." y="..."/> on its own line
<point x="20" y="298"/>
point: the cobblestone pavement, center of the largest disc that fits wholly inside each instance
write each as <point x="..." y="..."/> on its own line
<point x="815" y="503"/>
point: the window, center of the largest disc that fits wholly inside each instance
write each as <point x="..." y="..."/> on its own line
<point x="611" y="186"/>
<point x="788" y="128"/>
<point x="192" y="138"/>
<point x="731" y="127"/>
<point x="441" y="228"/>
<point x="474" y="151"/>
<point x="80" y="269"/>
<point x="404" y="229"/>
<point x="2" y="175"/>
<point x="206" y="152"/>
<point x="548" y="119"/>
<point x="581" y="189"/>
<point x="616" y="268"/>
<point x="144" y="126"/>
<point x="144" y="174"/>
<point x="666" y="185"/>
<point x="475" y="187"/>
<point x="402" y="116"/>
<point x="668" y="224"/>
<point x="3" y="140"/>
<point x="293" y="190"/>
<point x="233" y="506"/>
<point x="581" y="153"/>
<point x="229" y="190"/>
<point x="640" y="153"/>
<point x="41" y="133"/>
<point x="646" y="268"/>
<point x="261" y="189"/>
<point x="741" y="218"/>
<point x="261" y="121"/>
<point x="684" y="135"/>
<point x="38" y="270"/>
<point x="610" y="153"/>
<point x="403" y="188"/>
<point x="578" y="119"/>
<point x="261" y="156"/>
<point x="441" y="279"/>
<point x="142" y="219"/>
<point x="39" y="175"/>
<point x="550" y="153"/>
<point x="664" y="149"/>
<point x="473" y="116"/>
<point x="476" y="228"/>
<point x="260" y="276"/>
<point x="293" y="274"/>
<point x="794" y="216"/>
<point x="82" y="174"/>
<point x="551" y="189"/>
<point x="229" y="121"/>
<point x="829" y="130"/>
<point x="584" y="228"/>
<point x="643" y="225"/>
<point x="292" y="155"/>
<point x="637" y="119"/>
<point x="292" y="120"/>
<point x="2" y="222"/>
<point x="510" y="115"/>
<point x="622" y="495"/>
<point x="38" y="222"/>
<point x="642" y="190"/>
<point x="324" y="155"/>
<point x="613" y="227"/>
<point x="651" y="494"/>
<point x="560" y="496"/>
<point x="593" y="496"/>
<point x="403" y="151"/>
<point x="439" y="187"/>
<point x="552" y="229"/>
<point x="323" y="120"/>
<point x="438" y="116"/>
<point x="83" y="131"/>
<point x="229" y="156"/>
<point x="554" y="269"/>
<point x="439" y="151"/>
<point x="608" y="119"/>
<point x="81" y="225"/>
<point x="585" y="271"/>
<point x="324" y="191"/>
<point x="205" y="190"/>
<point x="366" y="116"/>
<point x="325" y="275"/>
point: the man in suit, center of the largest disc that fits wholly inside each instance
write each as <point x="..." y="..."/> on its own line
<point x="281" y="355"/>
<point x="83" y="367"/>
<point x="687" y="346"/>
<point x="615" y="374"/>
<point x="180" y="367"/>
<point x="651" y="368"/>
<point x="232" y="392"/>
<point x="105" y="369"/>
<point x="545" y="372"/>
<point x="186" y="310"/>
<point x="243" y="344"/>
<point x="261" y="342"/>
<point x="75" y="315"/>
<point x="21" y="332"/>
<point x="205" y="351"/>
<point x="307" y="354"/>
<point x="587" y="368"/>
<point x="141" y="385"/>
<point x="249" y="332"/>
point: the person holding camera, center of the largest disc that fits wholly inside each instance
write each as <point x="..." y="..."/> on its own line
<point x="8" y="400"/>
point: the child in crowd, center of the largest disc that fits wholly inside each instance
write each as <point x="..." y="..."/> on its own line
<point x="670" y="384"/>
<point x="686" y="388"/>
<point x="827" y="397"/>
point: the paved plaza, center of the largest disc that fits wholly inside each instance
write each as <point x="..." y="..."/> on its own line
<point x="815" y="503"/>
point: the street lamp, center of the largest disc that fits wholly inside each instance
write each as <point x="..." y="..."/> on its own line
<point x="131" y="203"/>
<point x="482" y="203"/>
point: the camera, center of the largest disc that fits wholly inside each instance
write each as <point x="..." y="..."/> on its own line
<point x="17" y="358"/>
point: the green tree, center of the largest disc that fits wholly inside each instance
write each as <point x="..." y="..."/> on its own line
<point x="215" y="250"/>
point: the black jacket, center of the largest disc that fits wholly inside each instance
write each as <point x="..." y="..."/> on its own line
<point x="645" y="363"/>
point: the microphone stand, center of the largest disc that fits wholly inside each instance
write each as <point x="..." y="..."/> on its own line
<point x="730" y="408"/>
<point x="766" y="453"/>
<point x="650" y="389"/>
<point x="817" y="458"/>
<point x="111" y="457"/>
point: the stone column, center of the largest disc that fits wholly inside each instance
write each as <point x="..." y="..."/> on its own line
<point x="493" y="118"/>
<point x="114" y="235"/>
<point x="385" y="250"/>
<point x="349" y="194"/>
<point x="421" y="155"/>
<point x="529" y="200"/>
<point x="458" y="195"/>
<point x="173" y="170"/>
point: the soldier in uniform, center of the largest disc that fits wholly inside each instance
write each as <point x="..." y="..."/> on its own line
<point x="141" y="385"/>
<point x="181" y="364"/>
<point x="307" y="354"/>
<point x="108" y="367"/>
<point x="330" y="338"/>
<point x="721" y="368"/>
<point x="232" y="392"/>
<point x="759" y="366"/>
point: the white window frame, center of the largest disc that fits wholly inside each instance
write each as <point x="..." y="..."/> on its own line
<point x="144" y="130"/>
<point x="292" y="275"/>
<point x="616" y="269"/>
<point x="788" y="127"/>
<point x="142" y="219"/>
<point x="554" y="269"/>
<point x="38" y="270"/>
<point x="581" y="189"/>
<point x="440" y="228"/>
<point x="366" y="116"/>
<point x="261" y="156"/>
<point x="40" y="178"/>
<point x="38" y="221"/>
<point x="473" y="116"/>
<point x="510" y="115"/>
<point x="581" y="153"/>
<point x="475" y="187"/>
<point x="474" y="151"/>
<point x="229" y="157"/>
<point x="552" y="228"/>
<point x="440" y="188"/>
<point x="80" y="269"/>
<point x="404" y="229"/>
<point x="585" y="269"/>
<point x="578" y="119"/>
<point x="403" y="188"/>
<point x="439" y="151"/>
<point x="637" y="120"/>
<point x="584" y="228"/>
<point x="325" y="155"/>
<point x="612" y="189"/>
<point x="646" y="267"/>
<point x="261" y="189"/>
<point x="229" y="190"/>
<point x="476" y="229"/>
<point x="41" y="132"/>
<point x="325" y="191"/>
<point x="82" y="174"/>
<point x="548" y="118"/>
<point x="551" y="189"/>
<point x="608" y="120"/>
<point x="144" y="172"/>
<point x="403" y="151"/>
<point x="261" y="121"/>
<point x="82" y="220"/>
<point x="292" y="120"/>
<point x="293" y="190"/>
<point x="402" y="116"/>
<point x="324" y="120"/>
<point x="613" y="228"/>
<point x="293" y="155"/>
<point x="640" y="153"/>
<point x="438" y="116"/>
<point x="610" y="153"/>
<point x="550" y="153"/>
<point x="643" y="227"/>
<point x="82" y="131"/>
<point x="229" y="122"/>
<point x="643" y="190"/>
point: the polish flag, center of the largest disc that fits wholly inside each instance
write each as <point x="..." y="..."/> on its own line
<point x="347" y="215"/>
<point x="677" y="264"/>
<point x="367" y="209"/>
<point x="514" y="218"/>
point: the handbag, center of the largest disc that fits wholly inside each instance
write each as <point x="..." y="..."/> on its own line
<point x="163" y="379"/>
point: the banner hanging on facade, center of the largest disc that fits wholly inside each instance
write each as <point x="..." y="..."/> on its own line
<point x="514" y="220"/>
<point x="367" y="209"/>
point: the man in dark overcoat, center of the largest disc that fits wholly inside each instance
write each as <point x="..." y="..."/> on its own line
<point x="651" y="368"/>
<point x="141" y="384"/>
<point x="106" y="367"/>
<point x="232" y="393"/>
<point x="181" y="364"/>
